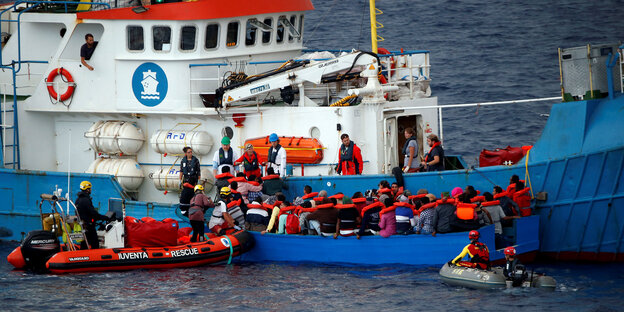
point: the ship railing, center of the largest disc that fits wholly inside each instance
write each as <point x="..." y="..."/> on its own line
<point x="409" y="69"/>
<point x="54" y="6"/>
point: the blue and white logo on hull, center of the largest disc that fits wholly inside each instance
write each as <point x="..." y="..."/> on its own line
<point x="149" y="84"/>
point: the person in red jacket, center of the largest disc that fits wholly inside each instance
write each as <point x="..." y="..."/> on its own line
<point x="349" y="157"/>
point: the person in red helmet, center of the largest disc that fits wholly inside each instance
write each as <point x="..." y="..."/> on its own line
<point x="478" y="252"/>
<point x="514" y="270"/>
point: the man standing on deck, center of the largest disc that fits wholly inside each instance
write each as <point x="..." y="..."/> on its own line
<point x="88" y="215"/>
<point x="277" y="156"/>
<point x="349" y="157"/>
<point x="189" y="167"/>
<point x="87" y="49"/>
<point x="223" y="157"/>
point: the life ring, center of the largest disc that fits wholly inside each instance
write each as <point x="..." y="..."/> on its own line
<point x="68" y="77"/>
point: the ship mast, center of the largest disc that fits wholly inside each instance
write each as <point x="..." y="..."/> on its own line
<point x="374" y="25"/>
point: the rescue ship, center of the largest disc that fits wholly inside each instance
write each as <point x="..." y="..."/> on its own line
<point x="189" y="73"/>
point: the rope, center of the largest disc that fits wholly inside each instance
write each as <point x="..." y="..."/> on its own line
<point x="231" y="249"/>
<point x="344" y="101"/>
<point x="527" y="177"/>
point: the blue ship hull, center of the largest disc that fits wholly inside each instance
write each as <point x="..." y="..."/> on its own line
<point x="376" y="250"/>
<point x="577" y="161"/>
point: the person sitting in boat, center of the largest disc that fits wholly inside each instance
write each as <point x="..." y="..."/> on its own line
<point x="199" y="204"/>
<point x="250" y="190"/>
<point x="88" y="215"/>
<point x="370" y="219"/>
<point x="87" y="49"/>
<point x="434" y="160"/>
<point x="221" y="221"/>
<point x="349" y="157"/>
<point x="307" y="196"/>
<point x="387" y="221"/>
<point x="404" y="216"/>
<point x="222" y="180"/>
<point x="444" y="215"/>
<point x="250" y="162"/>
<point x="410" y="150"/>
<point x="514" y="270"/>
<point x="509" y="206"/>
<point x="189" y="167"/>
<point x="477" y="251"/>
<point x="236" y="212"/>
<point x="323" y="220"/>
<point x="277" y="201"/>
<point x="185" y="198"/>
<point x="276" y="157"/>
<point x="496" y="215"/>
<point x="257" y="217"/>
<point x="224" y="157"/>
<point x="237" y="196"/>
<point x="395" y="191"/>
<point x="424" y="221"/>
<point x="511" y="188"/>
<point x="272" y="183"/>
<point x="348" y="218"/>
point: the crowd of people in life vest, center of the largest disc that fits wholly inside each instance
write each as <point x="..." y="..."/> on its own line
<point x="247" y="201"/>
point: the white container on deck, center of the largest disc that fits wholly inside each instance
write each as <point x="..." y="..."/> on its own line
<point x="173" y="141"/>
<point x="115" y="137"/>
<point x="127" y="171"/>
<point x="168" y="179"/>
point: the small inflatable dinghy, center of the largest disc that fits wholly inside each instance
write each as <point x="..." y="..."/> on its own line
<point x="494" y="278"/>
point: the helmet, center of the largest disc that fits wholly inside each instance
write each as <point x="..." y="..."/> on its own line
<point x="85" y="185"/>
<point x="199" y="187"/>
<point x="225" y="140"/>
<point x="510" y="251"/>
<point x="473" y="235"/>
<point x="225" y="191"/>
<point x="273" y="137"/>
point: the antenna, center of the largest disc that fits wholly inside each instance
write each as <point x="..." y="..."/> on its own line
<point x="68" y="168"/>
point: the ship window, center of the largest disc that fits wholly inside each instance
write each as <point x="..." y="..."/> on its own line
<point x="162" y="38"/>
<point x="187" y="43"/>
<point x="231" y="39"/>
<point x="250" y="34"/>
<point x="135" y="38"/>
<point x="266" y="35"/>
<point x="293" y="21"/>
<point x="280" y="30"/>
<point x="212" y="36"/>
<point x="300" y="27"/>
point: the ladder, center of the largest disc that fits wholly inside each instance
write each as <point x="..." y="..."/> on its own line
<point x="9" y="140"/>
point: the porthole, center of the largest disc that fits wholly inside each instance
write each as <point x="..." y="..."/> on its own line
<point x="227" y="132"/>
<point x="315" y="133"/>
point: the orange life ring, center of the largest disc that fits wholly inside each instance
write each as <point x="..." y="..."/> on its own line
<point x="68" y="77"/>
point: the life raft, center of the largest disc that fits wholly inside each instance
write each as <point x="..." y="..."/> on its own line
<point x="299" y="150"/>
<point x="67" y="77"/>
<point x="214" y="250"/>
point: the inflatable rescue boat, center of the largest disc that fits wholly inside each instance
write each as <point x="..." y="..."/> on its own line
<point x="41" y="252"/>
<point x="487" y="279"/>
<point x="127" y="244"/>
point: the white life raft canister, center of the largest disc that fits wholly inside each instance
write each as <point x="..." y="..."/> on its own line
<point x="127" y="171"/>
<point x="115" y="137"/>
<point x="173" y="141"/>
<point x="168" y="179"/>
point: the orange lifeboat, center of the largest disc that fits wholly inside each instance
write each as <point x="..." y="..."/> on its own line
<point x="299" y="150"/>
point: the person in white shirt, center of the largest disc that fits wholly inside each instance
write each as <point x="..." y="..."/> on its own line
<point x="277" y="156"/>
<point x="224" y="156"/>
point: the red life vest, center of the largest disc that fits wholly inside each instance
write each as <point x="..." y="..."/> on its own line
<point x="226" y="175"/>
<point x="479" y="253"/>
<point x="466" y="211"/>
<point x="310" y="195"/>
<point x="523" y="200"/>
<point x="270" y="177"/>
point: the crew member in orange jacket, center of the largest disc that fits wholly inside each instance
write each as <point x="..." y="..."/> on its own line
<point x="349" y="157"/>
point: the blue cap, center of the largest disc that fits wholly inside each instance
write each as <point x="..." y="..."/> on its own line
<point x="273" y="137"/>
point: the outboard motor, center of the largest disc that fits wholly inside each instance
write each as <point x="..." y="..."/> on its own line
<point x="519" y="275"/>
<point x="37" y="248"/>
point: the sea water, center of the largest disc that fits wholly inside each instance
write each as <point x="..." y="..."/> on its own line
<point x="481" y="51"/>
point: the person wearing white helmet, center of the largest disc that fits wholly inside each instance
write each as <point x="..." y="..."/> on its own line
<point x="199" y="204"/>
<point x="224" y="157"/>
<point x="88" y="215"/>
<point x="276" y="158"/>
